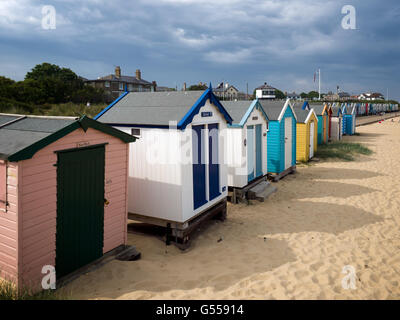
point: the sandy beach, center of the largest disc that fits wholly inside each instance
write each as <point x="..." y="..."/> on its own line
<point x="328" y="215"/>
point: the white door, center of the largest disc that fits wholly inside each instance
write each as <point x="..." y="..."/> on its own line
<point x="311" y="139"/>
<point x="288" y="142"/>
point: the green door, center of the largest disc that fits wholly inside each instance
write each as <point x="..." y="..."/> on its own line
<point x="80" y="208"/>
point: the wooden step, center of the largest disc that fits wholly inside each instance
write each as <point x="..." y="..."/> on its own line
<point x="261" y="191"/>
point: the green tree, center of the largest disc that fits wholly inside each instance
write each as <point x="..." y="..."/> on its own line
<point x="279" y="94"/>
<point x="304" y="95"/>
<point x="6" y="87"/>
<point x="313" y="94"/>
<point x="58" y="84"/>
<point x="196" y="87"/>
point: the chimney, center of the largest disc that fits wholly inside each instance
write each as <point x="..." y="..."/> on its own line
<point x="138" y="74"/>
<point x="184" y="86"/>
<point x="118" y="71"/>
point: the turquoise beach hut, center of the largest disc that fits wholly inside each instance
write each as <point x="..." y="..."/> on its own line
<point x="281" y="137"/>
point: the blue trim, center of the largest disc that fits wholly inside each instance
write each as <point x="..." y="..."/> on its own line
<point x="254" y="104"/>
<point x="110" y="105"/>
<point x="200" y="103"/>
<point x="305" y="105"/>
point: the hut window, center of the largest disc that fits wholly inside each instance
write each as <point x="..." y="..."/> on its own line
<point x="3" y="186"/>
<point x="107" y="84"/>
<point x="135" y="132"/>
<point x="121" y="86"/>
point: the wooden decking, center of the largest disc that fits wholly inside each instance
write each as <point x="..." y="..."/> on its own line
<point x="178" y="233"/>
<point x="275" y="177"/>
<point x="258" y="189"/>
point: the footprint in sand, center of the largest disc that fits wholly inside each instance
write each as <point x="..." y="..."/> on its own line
<point x="316" y="266"/>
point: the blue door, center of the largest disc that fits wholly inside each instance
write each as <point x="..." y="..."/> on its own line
<point x="344" y="124"/>
<point x="199" y="167"/>
<point x="213" y="161"/>
<point x="259" y="171"/>
<point x="250" y="153"/>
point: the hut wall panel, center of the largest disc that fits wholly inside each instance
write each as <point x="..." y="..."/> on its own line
<point x="39" y="201"/>
<point x="9" y="221"/>
<point x="187" y="172"/>
<point x="236" y="157"/>
<point x="274" y="146"/>
<point x="155" y="174"/>
<point x="301" y="143"/>
<point x="315" y="119"/>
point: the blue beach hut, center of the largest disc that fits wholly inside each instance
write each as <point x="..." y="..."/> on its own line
<point x="281" y="137"/>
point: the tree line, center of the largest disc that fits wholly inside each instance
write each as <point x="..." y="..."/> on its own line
<point x="47" y="84"/>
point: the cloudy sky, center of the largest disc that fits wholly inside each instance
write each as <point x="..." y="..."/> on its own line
<point x="242" y="42"/>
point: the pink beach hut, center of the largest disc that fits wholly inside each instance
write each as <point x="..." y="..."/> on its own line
<point x="63" y="195"/>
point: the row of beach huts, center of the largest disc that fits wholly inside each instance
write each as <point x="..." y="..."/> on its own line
<point x="170" y="159"/>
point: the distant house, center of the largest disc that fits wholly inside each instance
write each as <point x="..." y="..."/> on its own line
<point x="293" y="96"/>
<point x="225" y="91"/>
<point x="265" y="92"/>
<point x="369" y="96"/>
<point x="164" y="89"/>
<point x="116" y="84"/>
<point x="343" y="96"/>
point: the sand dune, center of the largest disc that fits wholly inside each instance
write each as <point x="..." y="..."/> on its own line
<point x="293" y="246"/>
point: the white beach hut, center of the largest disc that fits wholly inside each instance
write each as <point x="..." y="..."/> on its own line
<point x="246" y="142"/>
<point x="177" y="170"/>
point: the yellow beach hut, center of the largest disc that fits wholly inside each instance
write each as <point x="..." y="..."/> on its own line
<point x="307" y="134"/>
<point x="322" y="112"/>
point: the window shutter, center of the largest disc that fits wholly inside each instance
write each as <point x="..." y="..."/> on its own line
<point x="3" y="185"/>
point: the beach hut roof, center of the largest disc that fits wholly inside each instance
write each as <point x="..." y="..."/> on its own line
<point x="158" y="109"/>
<point x="303" y="116"/>
<point x="336" y="110"/>
<point x="276" y="109"/>
<point x="241" y="110"/>
<point x="318" y="108"/>
<point x="348" y="109"/>
<point x="22" y="136"/>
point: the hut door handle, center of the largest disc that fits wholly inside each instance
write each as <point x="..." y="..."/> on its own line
<point x="106" y="202"/>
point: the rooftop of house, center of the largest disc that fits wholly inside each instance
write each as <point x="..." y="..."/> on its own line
<point x="265" y="86"/>
<point x="117" y="76"/>
<point x="22" y="136"/>
<point x="222" y="88"/>
<point x="372" y="95"/>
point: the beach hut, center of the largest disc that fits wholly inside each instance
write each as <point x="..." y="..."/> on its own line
<point x="306" y="134"/>
<point x="177" y="171"/>
<point x="337" y="123"/>
<point x="349" y="118"/>
<point x="63" y="192"/>
<point x="246" y="142"/>
<point x="321" y="110"/>
<point x="281" y="137"/>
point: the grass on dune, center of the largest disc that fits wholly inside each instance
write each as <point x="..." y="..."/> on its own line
<point x="341" y="150"/>
<point x="64" y="109"/>
<point x="8" y="291"/>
